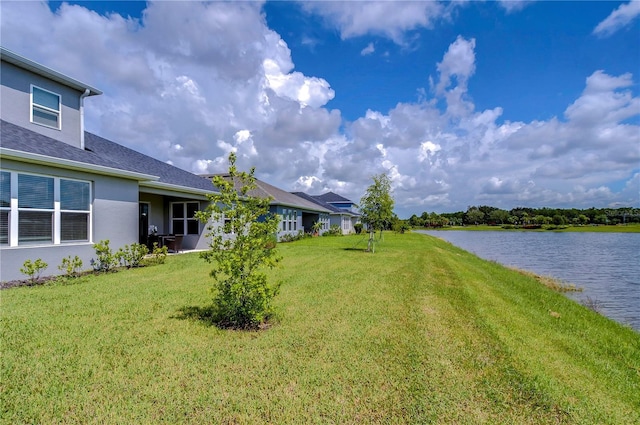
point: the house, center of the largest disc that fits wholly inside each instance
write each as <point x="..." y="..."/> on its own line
<point x="62" y="189"/>
<point x="342" y="210"/>
<point x="297" y="214"/>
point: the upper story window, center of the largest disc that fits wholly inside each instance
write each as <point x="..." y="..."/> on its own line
<point x="45" y="108"/>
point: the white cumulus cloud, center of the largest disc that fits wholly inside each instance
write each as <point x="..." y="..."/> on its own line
<point x="618" y="19"/>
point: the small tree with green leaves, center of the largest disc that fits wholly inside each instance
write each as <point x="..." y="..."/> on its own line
<point x="376" y="207"/>
<point x="241" y="231"/>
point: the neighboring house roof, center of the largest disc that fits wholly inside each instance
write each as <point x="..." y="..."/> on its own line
<point x="331" y="197"/>
<point x="100" y="156"/>
<point x="28" y="64"/>
<point x="279" y="196"/>
<point x="317" y="200"/>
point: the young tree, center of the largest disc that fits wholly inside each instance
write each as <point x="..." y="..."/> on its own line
<point x="242" y="245"/>
<point x="376" y="207"/>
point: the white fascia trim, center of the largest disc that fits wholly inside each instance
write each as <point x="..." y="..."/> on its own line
<point x="69" y="164"/>
<point x="28" y="64"/>
<point x="160" y="188"/>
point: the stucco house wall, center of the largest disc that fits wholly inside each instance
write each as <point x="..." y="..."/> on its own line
<point x="15" y="102"/>
<point x="113" y="217"/>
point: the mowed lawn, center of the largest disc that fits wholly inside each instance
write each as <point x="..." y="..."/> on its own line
<point x="419" y="332"/>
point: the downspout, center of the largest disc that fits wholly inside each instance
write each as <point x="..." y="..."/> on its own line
<point x="82" y="96"/>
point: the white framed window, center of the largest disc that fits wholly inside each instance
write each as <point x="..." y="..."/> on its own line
<point x="75" y="204"/>
<point x="45" y="108"/>
<point x="42" y="210"/>
<point x="5" y="206"/>
<point x="183" y="221"/>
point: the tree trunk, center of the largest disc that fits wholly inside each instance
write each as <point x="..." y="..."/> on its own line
<point x="370" y="245"/>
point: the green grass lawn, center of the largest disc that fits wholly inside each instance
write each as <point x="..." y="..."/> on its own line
<point x="419" y="332"/>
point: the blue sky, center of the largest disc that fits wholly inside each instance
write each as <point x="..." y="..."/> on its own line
<point x="470" y="103"/>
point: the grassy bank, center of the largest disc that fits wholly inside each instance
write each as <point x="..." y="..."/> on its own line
<point x="420" y="332"/>
<point x="626" y="228"/>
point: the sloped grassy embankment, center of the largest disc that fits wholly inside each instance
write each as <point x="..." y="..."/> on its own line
<point x="420" y="332"/>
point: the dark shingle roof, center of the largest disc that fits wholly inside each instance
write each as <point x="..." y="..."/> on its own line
<point x="279" y="196"/>
<point x="328" y="206"/>
<point x="317" y="201"/>
<point x="332" y="197"/>
<point x="132" y="160"/>
<point x="100" y="152"/>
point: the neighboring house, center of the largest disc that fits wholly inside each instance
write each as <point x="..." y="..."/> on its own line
<point x="297" y="214"/>
<point x="342" y="210"/>
<point x="63" y="189"/>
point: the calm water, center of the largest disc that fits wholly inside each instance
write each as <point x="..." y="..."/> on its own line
<point x="605" y="265"/>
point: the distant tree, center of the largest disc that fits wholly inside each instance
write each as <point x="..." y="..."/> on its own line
<point x="376" y="207"/>
<point x="242" y="244"/>
<point x="601" y="219"/>
<point x="415" y="221"/>
<point x="474" y="216"/>
<point x="499" y="216"/>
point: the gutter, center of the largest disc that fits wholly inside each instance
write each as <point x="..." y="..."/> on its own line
<point x="69" y="164"/>
<point x="86" y="93"/>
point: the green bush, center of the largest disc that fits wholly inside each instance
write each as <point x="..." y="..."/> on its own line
<point x="33" y="269"/>
<point x="106" y="260"/>
<point x="159" y="255"/>
<point x="291" y="237"/>
<point x="132" y="255"/>
<point x="334" y="230"/>
<point x="358" y="228"/>
<point x="71" y="267"/>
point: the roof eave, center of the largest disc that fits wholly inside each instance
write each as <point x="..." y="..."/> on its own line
<point x="69" y="164"/>
<point x="161" y="188"/>
<point x="22" y="62"/>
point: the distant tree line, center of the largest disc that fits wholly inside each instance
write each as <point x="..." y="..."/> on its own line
<point x="522" y="216"/>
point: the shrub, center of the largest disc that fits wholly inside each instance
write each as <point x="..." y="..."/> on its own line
<point x="334" y="230"/>
<point x="159" y="255"/>
<point x="33" y="269"/>
<point x="291" y="237"/>
<point x="401" y="226"/>
<point x="132" y="255"/>
<point x="106" y="259"/>
<point x="358" y="228"/>
<point x="71" y="267"/>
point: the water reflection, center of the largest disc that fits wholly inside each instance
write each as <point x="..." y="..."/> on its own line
<point x="605" y="265"/>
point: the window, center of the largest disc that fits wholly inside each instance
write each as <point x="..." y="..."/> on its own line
<point x="45" y="108"/>
<point x="183" y="221"/>
<point x="75" y="198"/>
<point x="46" y="209"/>
<point x="5" y="206"/>
<point x="35" y="209"/>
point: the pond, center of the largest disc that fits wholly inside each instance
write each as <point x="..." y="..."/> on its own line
<point x="605" y="265"/>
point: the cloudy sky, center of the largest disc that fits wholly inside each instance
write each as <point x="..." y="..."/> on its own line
<point x="514" y="103"/>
